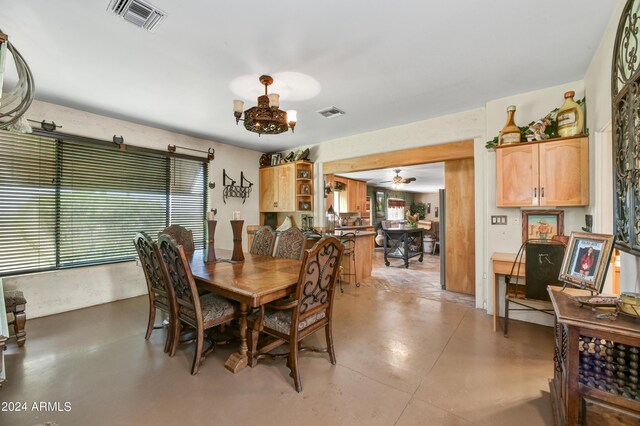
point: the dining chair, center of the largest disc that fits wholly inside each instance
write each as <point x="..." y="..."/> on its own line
<point x="181" y="235"/>
<point x="161" y="296"/>
<point x="200" y="312"/>
<point x="310" y="309"/>
<point x="291" y="244"/>
<point x="263" y="240"/>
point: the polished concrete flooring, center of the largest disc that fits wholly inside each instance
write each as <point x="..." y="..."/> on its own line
<point x="402" y="360"/>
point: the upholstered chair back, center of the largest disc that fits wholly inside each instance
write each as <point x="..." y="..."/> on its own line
<point x="263" y="240"/>
<point x="291" y="244"/>
<point x="182" y="236"/>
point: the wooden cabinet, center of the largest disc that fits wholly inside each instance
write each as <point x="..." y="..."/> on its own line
<point x="595" y="379"/>
<point x="547" y="173"/>
<point x="357" y="195"/>
<point x="287" y="187"/>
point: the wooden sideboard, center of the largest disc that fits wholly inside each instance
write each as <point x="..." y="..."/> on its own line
<point x="595" y="380"/>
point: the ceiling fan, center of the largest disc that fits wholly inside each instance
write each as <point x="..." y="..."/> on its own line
<point x="398" y="181"/>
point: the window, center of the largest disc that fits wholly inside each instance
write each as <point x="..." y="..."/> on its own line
<point x="66" y="203"/>
<point x="395" y="209"/>
<point x="625" y="92"/>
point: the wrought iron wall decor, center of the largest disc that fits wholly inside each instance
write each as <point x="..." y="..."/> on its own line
<point x="235" y="191"/>
<point x="625" y="90"/>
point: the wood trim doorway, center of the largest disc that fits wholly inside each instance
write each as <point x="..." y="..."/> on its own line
<point x="460" y="211"/>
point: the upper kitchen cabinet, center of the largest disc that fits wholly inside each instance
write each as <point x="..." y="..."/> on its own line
<point x="287" y="187"/>
<point x="546" y="173"/>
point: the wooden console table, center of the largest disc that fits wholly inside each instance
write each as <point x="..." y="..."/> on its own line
<point x="398" y="243"/>
<point x="595" y="380"/>
<point x="502" y="264"/>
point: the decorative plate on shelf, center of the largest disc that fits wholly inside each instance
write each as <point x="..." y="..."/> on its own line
<point x="597" y="301"/>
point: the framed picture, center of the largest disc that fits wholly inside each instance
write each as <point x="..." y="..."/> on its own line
<point x="436" y="212"/>
<point x="586" y="260"/>
<point x="379" y="204"/>
<point x="428" y="208"/>
<point x="275" y="159"/>
<point x="542" y="224"/>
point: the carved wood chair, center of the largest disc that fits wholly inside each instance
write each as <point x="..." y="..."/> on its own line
<point x="292" y="319"/>
<point x="181" y="235"/>
<point x="291" y="244"/>
<point x="263" y="241"/>
<point x="161" y="296"/>
<point x="15" y="303"/>
<point x="200" y="312"/>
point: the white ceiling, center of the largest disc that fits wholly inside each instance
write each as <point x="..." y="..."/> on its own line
<point x="429" y="177"/>
<point x="385" y="63"/>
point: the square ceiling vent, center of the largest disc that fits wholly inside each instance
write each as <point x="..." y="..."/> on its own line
<point x="331" y="112"/>
<point x="138" y="12"/>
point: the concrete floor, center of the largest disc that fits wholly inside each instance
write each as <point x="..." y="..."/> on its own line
<point x="402" y="360"/>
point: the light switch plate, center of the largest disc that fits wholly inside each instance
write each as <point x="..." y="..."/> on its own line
<point x="499" y="220"/>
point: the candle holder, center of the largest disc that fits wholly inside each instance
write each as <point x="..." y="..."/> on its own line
<point x="211" y="249"/>
<point x="236" y="226"/>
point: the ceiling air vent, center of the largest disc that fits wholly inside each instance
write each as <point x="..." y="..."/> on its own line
<point x="331" y="112"/>
<point x="139" y="13"/>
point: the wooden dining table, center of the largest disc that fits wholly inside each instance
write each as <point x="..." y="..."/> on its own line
<point x="252" y="283"/>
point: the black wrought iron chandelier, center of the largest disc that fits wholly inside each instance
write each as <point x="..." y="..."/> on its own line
<point x="267" y="118"/>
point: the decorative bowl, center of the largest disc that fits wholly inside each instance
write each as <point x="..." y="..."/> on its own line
<point x="630" y="304"/>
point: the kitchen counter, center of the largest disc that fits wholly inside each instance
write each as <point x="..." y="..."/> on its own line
<point x="356" y="227"/>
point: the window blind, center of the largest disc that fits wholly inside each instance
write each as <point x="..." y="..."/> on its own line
<point x="66" y="203"/>
<point x="187" y="184"/>
<point x="27" y="202"/>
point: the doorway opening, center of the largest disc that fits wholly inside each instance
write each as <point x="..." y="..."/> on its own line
<point x="456" y="205"/>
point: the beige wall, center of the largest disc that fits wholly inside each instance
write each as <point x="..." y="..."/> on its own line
<point x="432" y="198"/>
<point x="58" y="291"/>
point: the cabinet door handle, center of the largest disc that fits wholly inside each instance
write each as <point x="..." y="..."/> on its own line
<point x="535" y="192"/>
<point x="542" y="191"/>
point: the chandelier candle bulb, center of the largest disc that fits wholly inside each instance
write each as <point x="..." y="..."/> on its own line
<point x="274" y="100"/>
<point x="238" y="106"/>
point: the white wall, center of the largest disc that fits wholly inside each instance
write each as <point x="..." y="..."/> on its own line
<point x="432" y="198"/>
<point x="53" y="292"/>
<point x="597" y="82"/>
<point x="508" y="238"/>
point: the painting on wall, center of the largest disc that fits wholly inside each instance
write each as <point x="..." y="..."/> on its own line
<point x="542" y="224"/>
<point x="379" y="204"/>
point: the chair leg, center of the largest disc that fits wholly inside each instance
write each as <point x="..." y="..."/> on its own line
<point x="169" y="342"/>
<point x="329" y="335"/>
<point x="175" y="338"/>
<point x="340" y="271"/>
<point x="506" y="316"/>
<point x="18" y="326"/>
<point x="355" y="277"/>
<point x="293" y="365"/>
<point x="197" y="356"/>
<point x="152" y="320"/>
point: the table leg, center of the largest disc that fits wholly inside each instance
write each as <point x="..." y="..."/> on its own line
<point x="495" y="301"/>
<point x="239" y="360"/>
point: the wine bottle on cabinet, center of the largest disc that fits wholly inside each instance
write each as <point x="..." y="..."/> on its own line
<point x="570" y="117"/>
<point x="510" y="133"/>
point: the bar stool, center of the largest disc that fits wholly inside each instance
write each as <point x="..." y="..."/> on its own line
<point x="348" y="240"/>
<point x="436" y="246"/>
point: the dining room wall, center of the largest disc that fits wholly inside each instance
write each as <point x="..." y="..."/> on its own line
<point x="64" y="290"/>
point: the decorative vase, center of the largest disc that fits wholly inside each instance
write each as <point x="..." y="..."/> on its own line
<point x="380" y="237"/>
<point x="236" y="226"/>
<point x="211" y="233"/>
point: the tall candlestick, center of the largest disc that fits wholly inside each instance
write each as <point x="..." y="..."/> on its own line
<point x="236" y="226"/>
<point x="211" y="233"/>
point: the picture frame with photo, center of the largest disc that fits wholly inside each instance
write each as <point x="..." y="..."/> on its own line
<point x="586" y="260"/>
<point x="542" y="224"/>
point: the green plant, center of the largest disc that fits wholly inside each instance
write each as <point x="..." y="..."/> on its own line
<point x="419" y="208"/>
